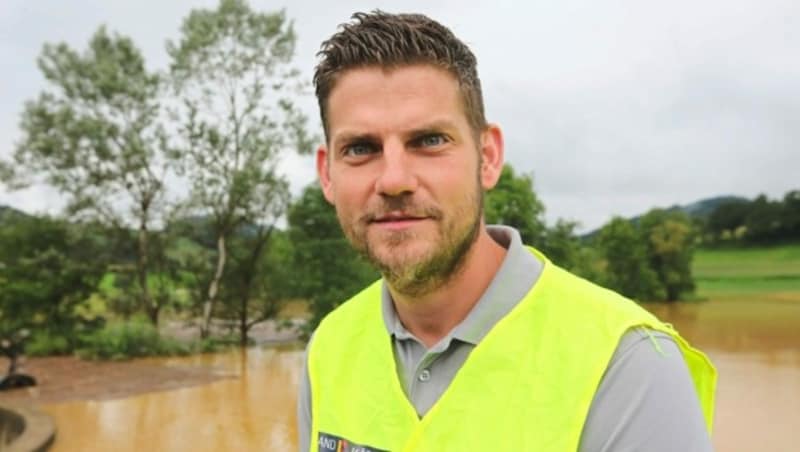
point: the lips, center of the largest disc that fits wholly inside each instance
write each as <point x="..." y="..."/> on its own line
<point x="393" y="217"/>
<point x="397" y="221"/>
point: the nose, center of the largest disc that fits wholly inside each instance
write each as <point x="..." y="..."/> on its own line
<point x="397" y="175"/>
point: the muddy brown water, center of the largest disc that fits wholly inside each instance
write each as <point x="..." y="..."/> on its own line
<point x="755" y="346"/>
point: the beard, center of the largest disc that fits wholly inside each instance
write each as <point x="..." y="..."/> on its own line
<point x="418" y="273"/>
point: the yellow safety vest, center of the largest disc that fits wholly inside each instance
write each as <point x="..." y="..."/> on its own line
<point x="527" y="386"/>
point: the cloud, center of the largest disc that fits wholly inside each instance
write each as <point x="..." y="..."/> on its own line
<point x="614" y="106"/>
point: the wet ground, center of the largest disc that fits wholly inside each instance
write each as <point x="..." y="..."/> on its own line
<point x="67" y="378"/>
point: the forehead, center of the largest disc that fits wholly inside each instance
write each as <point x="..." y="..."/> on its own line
<point x="377" y="97"/>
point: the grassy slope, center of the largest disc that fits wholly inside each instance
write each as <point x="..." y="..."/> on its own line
<point x="773" y="272"/>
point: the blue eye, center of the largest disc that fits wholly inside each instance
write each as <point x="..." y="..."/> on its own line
<point x="358" y="149"/>
<point x="432" y="140"/>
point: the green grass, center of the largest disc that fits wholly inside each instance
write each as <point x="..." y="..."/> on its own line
<point x="737" y="273"/>
<point x="748" y="262"/>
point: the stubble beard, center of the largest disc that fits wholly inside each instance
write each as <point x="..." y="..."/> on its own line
<point x="415" y="276"/>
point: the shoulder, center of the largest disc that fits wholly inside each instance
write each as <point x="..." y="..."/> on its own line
<point x="646" y="399"/>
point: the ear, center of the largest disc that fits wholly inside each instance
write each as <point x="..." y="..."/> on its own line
<point x="324" y="173"/>
<point x="492" y="156"/>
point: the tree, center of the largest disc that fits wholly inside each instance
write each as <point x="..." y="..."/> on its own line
<point x="48" y="269"/>
<point x="562" y="246"/>
<point x="764" y="221"/>
<point x="191" y="249"/>
<point x="232" y="75"/>
<point x="727" y="218"/>
<point x="670" y="242"/>
<point x="256" y="285"/>
<point x="512" y="202"/>
<point x="95" y="137"/>
<point x="791" y="202"/>
<point x="627" y="267"/>
<point x="328" y="269"/>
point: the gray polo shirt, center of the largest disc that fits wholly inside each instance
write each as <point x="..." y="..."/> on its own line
<point x="645" y="402"/>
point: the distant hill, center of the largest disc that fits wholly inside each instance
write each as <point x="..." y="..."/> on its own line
<point x="701" y="209"/>
<point x="8" y="213"/>
<point x="704" y="207"/>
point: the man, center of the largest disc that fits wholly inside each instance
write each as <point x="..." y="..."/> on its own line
<point x="470" y="341"/>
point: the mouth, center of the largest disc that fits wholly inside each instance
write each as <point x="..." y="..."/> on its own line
<point x="397" y="220"/>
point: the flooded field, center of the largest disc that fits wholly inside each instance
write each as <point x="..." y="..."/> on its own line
<point x="254" y="411"/>
<point x="755" y="346"/>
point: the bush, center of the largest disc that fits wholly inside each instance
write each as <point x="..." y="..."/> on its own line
<point x="215" y="344"/>
<point x="129" y="340"/>
<point x="45" y="343"/>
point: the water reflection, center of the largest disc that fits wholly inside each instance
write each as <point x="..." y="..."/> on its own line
<point x="254" y="411"/>
<point x="755" y="346"/>
<point x="766" y="330"/>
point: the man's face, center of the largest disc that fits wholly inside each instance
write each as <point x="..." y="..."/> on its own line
<point x="403" y="170"/>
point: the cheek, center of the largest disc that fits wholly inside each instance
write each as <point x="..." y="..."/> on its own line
<point x="456" y="178"/>
<point x="349" y="193"/>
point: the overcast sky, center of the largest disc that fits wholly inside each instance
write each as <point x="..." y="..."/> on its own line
<point x="614" y="106"/>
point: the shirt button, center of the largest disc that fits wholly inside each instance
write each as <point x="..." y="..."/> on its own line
<point x="425" y="375"/>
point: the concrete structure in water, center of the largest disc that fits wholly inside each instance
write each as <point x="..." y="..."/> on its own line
<point x="24" y="429"/>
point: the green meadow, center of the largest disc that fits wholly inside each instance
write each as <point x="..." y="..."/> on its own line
<point x="766" y="273"/>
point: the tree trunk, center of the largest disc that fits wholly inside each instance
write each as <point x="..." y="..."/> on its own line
<point x="248" y="277"/>
<point x="141" y="270"/>
<point x="153" y="313"/>
<point x="243" y="320"/>
<point x="673" y="294"/>
<point x="213" y="288"/>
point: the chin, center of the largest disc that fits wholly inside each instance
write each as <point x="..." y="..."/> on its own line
<point x="397" y="257"/>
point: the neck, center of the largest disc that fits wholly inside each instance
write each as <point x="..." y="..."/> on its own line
<point x="431" y="316"/>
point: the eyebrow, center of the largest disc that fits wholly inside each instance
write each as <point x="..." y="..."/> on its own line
<point x="352" y="137"/>
<point x="435" y="126"/>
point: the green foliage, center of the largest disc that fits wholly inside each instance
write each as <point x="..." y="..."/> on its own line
<point x="128" y="340"/>
<point x="94" y="134"/>
<point x="627" y="268"/>
<point x="650" y="260"/>
<point x="562" y="246"/>
<point x="513" y="202"/>
<point x="231" y="70"/>
<point x="255" y="284"/>
<point x="327" y="271"/>
<point x="9" y="213"/>
<point x="48" y="269"/>
<point x="46" y="343"/>
<point x="670" y="241"/>
<point x="791" y="216"/>
<point x="590" y="264"/>
<point x="764" y="221"/>
<point x="758" y="222"/>
<point x="727" y="217"/>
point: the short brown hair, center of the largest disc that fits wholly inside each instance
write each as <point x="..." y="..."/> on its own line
<point x="391" y="40"/>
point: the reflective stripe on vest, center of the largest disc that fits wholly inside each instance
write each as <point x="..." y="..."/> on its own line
<point x="527" y="385"/>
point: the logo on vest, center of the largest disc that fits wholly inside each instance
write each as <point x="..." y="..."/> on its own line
<point x="330" y="443"/>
